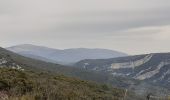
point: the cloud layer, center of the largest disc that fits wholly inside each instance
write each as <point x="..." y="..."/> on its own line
<point x="132" y="26"/>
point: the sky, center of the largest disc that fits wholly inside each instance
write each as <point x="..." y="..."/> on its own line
<point x="130" y="26"/>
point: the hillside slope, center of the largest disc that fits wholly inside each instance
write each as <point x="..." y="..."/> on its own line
<point x="10" y="59"/>
<point x="154" y="68"/>
<point x="28" y="85"/>
<point x="66" y="56"/>
<point x="24" y="75"/>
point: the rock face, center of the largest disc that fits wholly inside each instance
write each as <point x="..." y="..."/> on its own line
<point x="131" y="64"/>
<point x="150" y="67"/>
<point x="152" y="73"/>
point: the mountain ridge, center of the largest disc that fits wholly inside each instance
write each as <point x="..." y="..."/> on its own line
<point x="154" y="67"/>
<point x="65" y="56"/>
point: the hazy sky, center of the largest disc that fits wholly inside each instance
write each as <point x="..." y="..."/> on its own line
<point x="131" y="26"/>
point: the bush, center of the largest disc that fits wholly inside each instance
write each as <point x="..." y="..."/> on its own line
<point x="43" y="86"/>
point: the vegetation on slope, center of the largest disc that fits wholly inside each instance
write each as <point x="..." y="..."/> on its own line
<point x="28" y="85"/>
<point x="36" y="65"/>
<point x="39" y="66"/>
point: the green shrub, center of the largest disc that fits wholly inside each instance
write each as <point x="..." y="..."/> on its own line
<point x="43" y="86"/>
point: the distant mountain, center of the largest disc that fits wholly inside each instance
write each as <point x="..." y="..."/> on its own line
<point x="67" y="56"/>
<point x="153" y="68"/>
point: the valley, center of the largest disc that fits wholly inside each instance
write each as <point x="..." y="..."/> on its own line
<point x="140" y="74"/>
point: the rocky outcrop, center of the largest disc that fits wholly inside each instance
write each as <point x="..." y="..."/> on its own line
<point x="131" y="64"/>
<point x="5" y="63"/>
<point x="152" y="72"/>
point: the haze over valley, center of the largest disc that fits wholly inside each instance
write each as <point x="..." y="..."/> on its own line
<point x="66" y="56"/>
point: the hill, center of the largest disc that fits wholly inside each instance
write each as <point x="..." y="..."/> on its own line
<point x="28" y="85"/>
<point x="11" y="60"/>
<point x="152" y="68"/>
<point x="26" y="78"/>
<point x="66" y="56"/>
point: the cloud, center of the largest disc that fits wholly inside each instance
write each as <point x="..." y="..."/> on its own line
<point x="87" y="23"/>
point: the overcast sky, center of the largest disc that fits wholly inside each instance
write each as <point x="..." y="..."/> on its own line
<point x="130" y="26"/>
